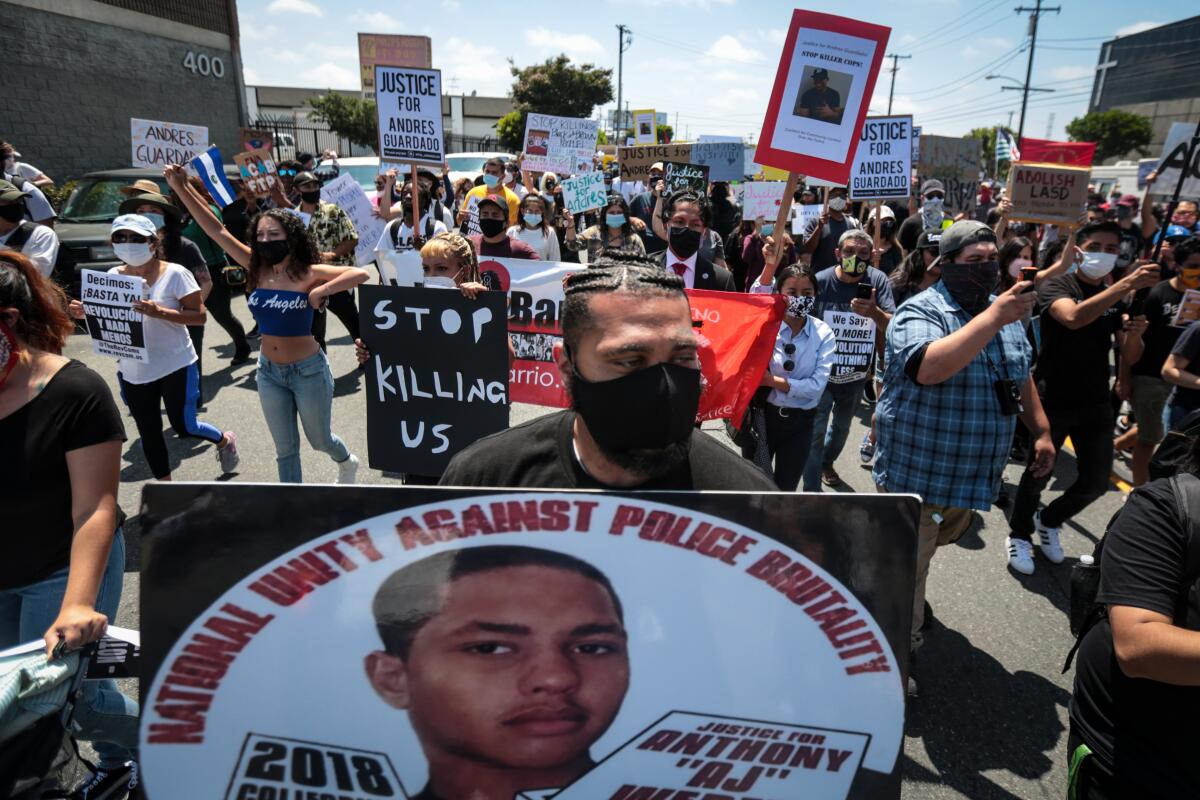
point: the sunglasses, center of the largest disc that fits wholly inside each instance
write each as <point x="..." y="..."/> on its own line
<point x="128" y="238"/>
<point x="287" y="173"/>
<point x="789" y="350"/>
<point x="935" y="196"/>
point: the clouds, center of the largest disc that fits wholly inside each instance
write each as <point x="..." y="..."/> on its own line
<point x="732" y="47"/>
<point x="295" y="7"/>
<point x="1137" y="27"/>
<point x="330" y="76"/>
<point x="1072" y="72"/>
<point x="579" y="46"/>
<point x="376" y="22"/>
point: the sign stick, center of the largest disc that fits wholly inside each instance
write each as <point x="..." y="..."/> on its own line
<point x="416" y="187"/>
<point x="875" y="233"/>
<point x="785" y="206"/>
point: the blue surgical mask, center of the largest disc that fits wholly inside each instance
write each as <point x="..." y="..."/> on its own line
<point x="768" y="230"/>
<point x="157" y="219"/>
<point x="614" y="220"/>
<point x="532" y="220"/>
<point x="490" y="181"/>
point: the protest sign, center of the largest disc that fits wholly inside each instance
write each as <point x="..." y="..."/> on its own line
<point x="409" y="103"/>
<point x="156" y="144"/>
<point x="257" y="168"/>
<point x="725" y="160"/>
<point x="916" y="143"/>
<point x="391" y="50"/>
<point x="736" y="336"/>
<point x="955" y="161"/>
<point x="706" y="138"/>
<point x="645" y="129"/>
<point x="1145" y="167"/>
<point x="584" y="192"/>
<point x="1189" y="309"/>
<point x="679" y="176"/>
<point x="1174" y="154"/>
<point x="882" y="168"/>
<point x="437" y="380"/>
<point x="761" y="199"/>
<point x="823" y="86"/>
<point x="241" y="644"/>
<point x="471" y="207"/>
<point x="117" y="330"/>
<point x="1047" y="193"/>
<point x="559" y="144"/>
<point x="804" y="216"/>
<point x="254" y="139"/>
<point x="346" y="193"/>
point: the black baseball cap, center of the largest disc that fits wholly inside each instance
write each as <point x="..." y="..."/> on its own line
<point x="820" y="73"/>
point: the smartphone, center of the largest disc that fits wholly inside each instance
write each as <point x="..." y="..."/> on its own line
<point x="863" y="291"/>
<point x="1029" y="274"/>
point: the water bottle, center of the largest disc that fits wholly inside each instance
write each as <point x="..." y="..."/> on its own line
<point x="1085" y="584"/>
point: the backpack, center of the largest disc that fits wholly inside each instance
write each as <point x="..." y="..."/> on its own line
<point x="394" y="231"/>
<point x="20" y="236"/>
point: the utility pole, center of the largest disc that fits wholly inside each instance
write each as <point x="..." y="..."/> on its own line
<point x="895" y="67"/>
<point x="1035" y="13"/>
<point x="624" y="40"/>
<point x="1010" y="116"/>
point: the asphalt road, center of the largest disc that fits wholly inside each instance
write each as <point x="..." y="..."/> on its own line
<point x="991" y="719"/>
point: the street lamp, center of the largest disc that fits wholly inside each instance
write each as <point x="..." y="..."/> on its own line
<point x="1019" y="86"/>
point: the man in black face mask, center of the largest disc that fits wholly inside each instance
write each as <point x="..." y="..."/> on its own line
<point x="684" y="221"/>
<point x="629" y="361"/>
<point x="494" y="241"/>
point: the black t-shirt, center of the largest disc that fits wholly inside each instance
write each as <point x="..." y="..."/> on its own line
<point x="823" y="256"/>
<point x="1162" y="303"/>
<point x="1146" y="730"/>
<point x="814" y="98"/>
<point x="642" y="207"/>
<point x="540" y="454"/>
<point x="1188" y="346"/>
<point x="1073" y="365"/>
<point x="74" y="411"/>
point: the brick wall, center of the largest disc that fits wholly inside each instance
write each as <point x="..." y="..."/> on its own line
<point x="70" y="87"/>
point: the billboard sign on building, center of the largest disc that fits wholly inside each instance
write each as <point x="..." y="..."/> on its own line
<point x="391" y="50"/>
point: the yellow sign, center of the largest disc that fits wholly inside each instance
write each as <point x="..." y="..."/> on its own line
<point x="391" y="50"/>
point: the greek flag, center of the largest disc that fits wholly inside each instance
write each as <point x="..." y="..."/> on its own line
<point x="1006" y="148"/>
<point x="211" y="171"/>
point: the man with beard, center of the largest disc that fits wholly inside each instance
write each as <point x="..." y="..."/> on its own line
<point x="510" y="662"/>
<point x="629" y="360"/>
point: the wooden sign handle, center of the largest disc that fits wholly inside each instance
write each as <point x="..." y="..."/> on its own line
<point x="785" y="207"/>
<point x="875" y="233"/>
<point x="416" y="206"/>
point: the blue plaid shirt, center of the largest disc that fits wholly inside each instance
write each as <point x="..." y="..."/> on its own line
<point x="947" y="442"/>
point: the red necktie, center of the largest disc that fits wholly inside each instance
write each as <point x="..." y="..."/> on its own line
<point x="680" y="268"/>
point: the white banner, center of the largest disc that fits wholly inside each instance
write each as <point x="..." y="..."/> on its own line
<point x="156" y="144"/>
<point x="345" y="193"/>
<point x="117" y="330"/>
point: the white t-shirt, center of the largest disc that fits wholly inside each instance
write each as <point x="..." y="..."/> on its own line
<point x="546" y="243"/>
<point x="37" y="206"/>
<point x="27" y="171"/>
<point x="41" y="247"/>
<point x="167" y="344"/>
<point x="403" y="258"/>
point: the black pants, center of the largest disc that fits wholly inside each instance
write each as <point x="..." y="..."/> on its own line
<point x="1090" y="429"/>
<point x="219" y="305"/>
<point x="789" y="438"/>
<point x="341" y="304"/>
<point x="1094" y="779"/>
<point x="177" y="392"/>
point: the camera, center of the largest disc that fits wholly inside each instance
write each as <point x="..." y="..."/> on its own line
<point x="1009" y="395"/>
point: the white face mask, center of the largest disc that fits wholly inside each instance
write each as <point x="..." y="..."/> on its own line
<point x="133" y="253"/>
<point x="837" y="204"/>
<point x="1018" y="264"/>
<point x="439" y="282"/>
<point x="933" y="205"/>
<point x="1096" y="265"/>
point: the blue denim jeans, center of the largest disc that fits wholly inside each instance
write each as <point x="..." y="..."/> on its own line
<point x="840" y="400"/>
<point x="106" y="718"/>
<point x="304" y="387"/>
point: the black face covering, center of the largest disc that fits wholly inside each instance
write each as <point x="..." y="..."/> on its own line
<point x="272" y="252"/>
<point x="311" y="197"/>
<point x="971" y="283"/>
<point x="491" y="227"/>
<point x="12" y="213"/>
<point x="651" y="409"/>
<point x="684" y="241"/>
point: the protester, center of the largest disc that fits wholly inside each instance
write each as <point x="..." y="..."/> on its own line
<point x="752" y="251"/>
<point x="288" y="283"/>
<point x="615" y="236"/>
<point x="461" y="187"/>
<point x="1080" y="316"/>
<point x="711" y="246"/>
<point x="628" y="344"/>
<point x="36" y="242"/>
<point x="932" y="216"/>
<point x="333" y="233"/>
<point x="430" y="184"/>
<point x="1136" y="702"/>
<point x="919" y="270"/>
<point x="856" y="321"/>
<point x="29" y="172"/>
<point x="170" y="377"/>
<point x="642" y="207"/>
<point x="1186" y="214"/>
<point x="37" y="207"/>
<point x="889" y="255"/>
<point x="986" y="202"/>
<point x="535" y="229"/>
<point x="1133" y="241"/>
<point x="493" y="174"/>
<point x="799" y="368"/>
<point x="512" y="179"/>
<point x="822" y="235"/>
<point x="1182" y="370"/>
<point x="397" y="235"/>
<point x="1016" y="254"/>
<point x="685" y="227"/>
<point x="726" y="213"/>
<point x="494" y="241"/>
<point x="944" y="426"/>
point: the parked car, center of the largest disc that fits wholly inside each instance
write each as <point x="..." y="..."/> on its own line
<point x="470" y="165"/>
<point x="363" y="169"/>
<point x="85" y="222"/>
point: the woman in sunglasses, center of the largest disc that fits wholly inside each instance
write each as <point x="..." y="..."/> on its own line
<point x="171" y="376"/>
<point x="799" y="368"/>
<point x="288" y="283"/>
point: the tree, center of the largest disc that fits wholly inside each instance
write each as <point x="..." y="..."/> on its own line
<point x="510" y="131"/>
<point x="665" y="133"/>
<point x="601" y="136"/>
<point x="987" y="137"/>
<point x="1114" y="132"/>
<point x="350" y="117"/>
<point x="555" y="87"/>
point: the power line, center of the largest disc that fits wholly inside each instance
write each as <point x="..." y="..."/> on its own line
<point x="952" y="31"/>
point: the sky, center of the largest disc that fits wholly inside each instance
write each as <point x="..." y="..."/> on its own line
<point x="710" y="64"/>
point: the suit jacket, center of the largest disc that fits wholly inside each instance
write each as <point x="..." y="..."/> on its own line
<point x="708" y="274"/>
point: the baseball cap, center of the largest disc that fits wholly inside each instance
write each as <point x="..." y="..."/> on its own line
<point x="961" y="235"/>
<point x="929" y="239"/>
<point x="135" y="223"/>
<point x="820" y="73"/>
<point x="9" y="191"/>
<point x="1128" y="200"/>
<point x="304" y="176"/>
<point x="495" y="200"/>
<point x="932" y="185"/>
<point x="657" y="165"/>
<point x="142" y="186"/>
<point x="1174" y="232"/>
<point x="882" y="211"/>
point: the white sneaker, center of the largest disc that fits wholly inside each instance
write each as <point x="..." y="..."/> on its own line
<point x="348" y="469"/>
<point x="1020" y="555"/>
<point x="1048" y="540"/>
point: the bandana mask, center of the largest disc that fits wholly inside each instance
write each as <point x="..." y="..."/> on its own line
<point x="800" y="305"/>
<point x="8" y="352"/>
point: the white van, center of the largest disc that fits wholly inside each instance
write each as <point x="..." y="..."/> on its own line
<point x="1122" y="176"/>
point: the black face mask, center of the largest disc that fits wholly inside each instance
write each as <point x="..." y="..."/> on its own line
<point x="887" y="229"/>
<point x="971" y="283"/>
<point x="684" y="241"/>
<point x="491" y="227"/>
<point x="272" y="252"/>
<point x="311" y="197"/>
<point x="12" y="213"/>
<point x="666" y="398"/>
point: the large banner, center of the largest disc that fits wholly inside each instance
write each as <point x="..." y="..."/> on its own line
<point x="882" y="168"/>
<point x="401" y="642"/>
<point x="117" y="330"/>
<point x="437" y="380"/>
<point x="955" y="161"/>
<point x="1047" y="193"/>
<point x="156" y="144"/>
<point x="1174" y="154"/>
<point x="348" y="195"/>
<point x="823" y="86"/>
<point x="559" y="144"/>
<point x="391" y="50"/>
<point x="725" y="160"/>
<point x="409" y="104"/>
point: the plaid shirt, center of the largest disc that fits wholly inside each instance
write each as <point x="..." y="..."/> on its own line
<point x="947" y="442"/>
<point x="329" y="227"/>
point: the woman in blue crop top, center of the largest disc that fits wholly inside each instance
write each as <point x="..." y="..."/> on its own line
<point x="287" y="283"/>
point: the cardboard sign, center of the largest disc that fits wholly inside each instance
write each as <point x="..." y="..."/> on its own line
<point x="824" y="83"/>
<point x="409" y="102"/>
<point x="955" y="161"/>
<point x="645" y="129"/>
<point x="584" y="192"/>
<point x="679" y="176"/>
<point x="391" y="50"/>
<point x="762" y="199"/>
<point x="559" y="144"/>
<point x="725" y="160"/>
<point x="805" y="216"/>
<point x="242" y="644"/>
<point x="117" y="330"/>
<point x="258" y="171"/>
<point x="156" y="144"/>
<point x="1047" y="193"/>
<point x="472" y="208"/>
<point x="254" y="139"/>
<point x="1174" y="154"/>
<point x="346" y="193"/>
<point x="916" y="144"/>
<point x="437" y="380"/>
<point x="882" y="168"/>
<point x="1189" y="309"/>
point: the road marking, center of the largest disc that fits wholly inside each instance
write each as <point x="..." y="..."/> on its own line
<point x="1124" y="486"/>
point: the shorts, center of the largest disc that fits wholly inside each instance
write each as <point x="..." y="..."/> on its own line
<point x="1148" y="396"/>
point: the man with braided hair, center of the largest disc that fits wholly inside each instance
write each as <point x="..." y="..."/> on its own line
<point x="629" y="362"/>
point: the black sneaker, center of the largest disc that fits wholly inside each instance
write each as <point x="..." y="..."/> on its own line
<point x="109" y="784"/>
<point x="240" y="358"/>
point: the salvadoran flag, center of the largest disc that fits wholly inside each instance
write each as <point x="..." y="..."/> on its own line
<point x="211" y="171"/>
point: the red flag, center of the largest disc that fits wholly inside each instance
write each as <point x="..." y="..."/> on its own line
<point x="1067" y="154"/>
<point x="737" y="335"/>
